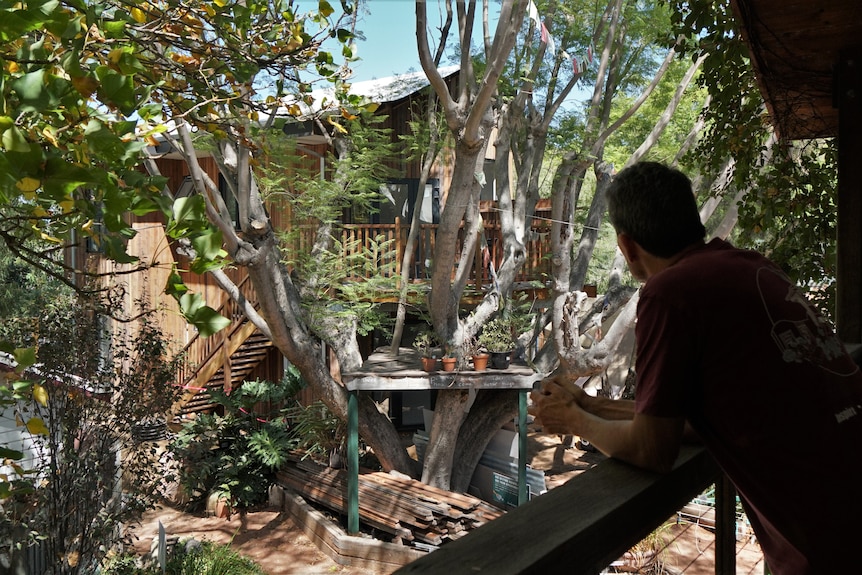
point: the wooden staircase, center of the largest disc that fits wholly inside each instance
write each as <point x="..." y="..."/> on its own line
<point x="240" y="364"/>
<point x="221" y="361"/>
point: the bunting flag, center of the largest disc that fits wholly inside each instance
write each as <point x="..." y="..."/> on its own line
<point x="579" y="63"/>
<point x="547" y="39"/>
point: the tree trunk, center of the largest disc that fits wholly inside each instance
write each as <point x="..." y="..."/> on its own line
<point x="489" y="412"/>
<point x="449" y="413"/>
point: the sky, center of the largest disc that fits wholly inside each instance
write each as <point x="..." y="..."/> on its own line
<point x="390" y="45"/>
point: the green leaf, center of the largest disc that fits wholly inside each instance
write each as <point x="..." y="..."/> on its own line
<point x="200" y="266"/>
<point x="34" y="92"/>
<point x="14" y="24"/>
<point x="13" y="140"/>
<point x="115" y="249"/>
<point x="189" y="213"/>
<point x="207" y="320"/>
<point x="208" y="245"/>
<point x="62" y="178"/>
<point x="25" y="356"/>
<point x="117" y="89"/>
<point x="175" y="286"/>
<point x="6" y="453"/>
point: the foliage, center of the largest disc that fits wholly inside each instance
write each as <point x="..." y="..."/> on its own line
<point x="213" y="559"/>
<point x="497" y="335"/>
<point x="426" y="342"/>
<point x="470" y="347"/>
<point x="788" y="210"/>
<point x="316" y="430"/>
<point x="208" y="558"/>
<point x="69" y="161"/>
<point x="649" y="556"/>
<point x="236" y="455"/>
<point x="361" y="163"/>
<point x="24" y="289"/>
<point x="78" y="416"/>
<point x="86" y="88"/>
<point x="347" y="282"/>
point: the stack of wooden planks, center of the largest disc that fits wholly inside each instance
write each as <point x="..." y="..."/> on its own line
<point x="410" y="511"/>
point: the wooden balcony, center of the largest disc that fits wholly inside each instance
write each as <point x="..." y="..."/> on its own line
<point x="581" y="527"/>
<point x="378" y="250"/>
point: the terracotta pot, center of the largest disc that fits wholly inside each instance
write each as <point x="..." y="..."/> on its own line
<point x="429" y="363"/>
<point x="480" y="361"/>
<point x="590" y="290"/>
<point x="449" y="363"/>
<point x="223" y="508"/>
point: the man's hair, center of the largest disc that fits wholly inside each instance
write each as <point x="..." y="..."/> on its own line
<point x="654" y="205"/>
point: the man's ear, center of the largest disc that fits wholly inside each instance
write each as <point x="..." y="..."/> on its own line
<point x="629" y="247"/>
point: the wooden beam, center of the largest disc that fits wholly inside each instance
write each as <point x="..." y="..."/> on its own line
<point x="848" y="95"/>
<point x="578" y="528"/>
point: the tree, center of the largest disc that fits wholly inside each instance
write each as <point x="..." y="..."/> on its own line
<point x="81" y="415"/>
<point x="521" y="94"/>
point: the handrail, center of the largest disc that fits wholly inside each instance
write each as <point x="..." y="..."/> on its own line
<point x="200" y="350"/>
<point x="581" y="527"/>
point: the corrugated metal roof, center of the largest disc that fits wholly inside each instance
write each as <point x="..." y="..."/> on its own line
<point x="383" y="90"/>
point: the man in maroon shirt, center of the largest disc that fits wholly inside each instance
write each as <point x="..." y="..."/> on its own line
<point x="730" y="352"/>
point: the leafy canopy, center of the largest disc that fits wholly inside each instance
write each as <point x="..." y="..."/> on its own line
<point x="86" y="87"/>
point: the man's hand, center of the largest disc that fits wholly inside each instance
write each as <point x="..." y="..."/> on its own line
<point x="558" y="405"/>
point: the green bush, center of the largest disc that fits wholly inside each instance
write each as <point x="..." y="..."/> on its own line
<point x="212" y="559"/>
<point x="236" y="455"/>
<point x="207" y="559"/>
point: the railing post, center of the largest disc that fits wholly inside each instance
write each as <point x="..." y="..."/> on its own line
<point x="725" y="527"/>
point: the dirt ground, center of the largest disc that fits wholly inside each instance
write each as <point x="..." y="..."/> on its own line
<point x="267" y="536"/>
<point x="275" y="542"/>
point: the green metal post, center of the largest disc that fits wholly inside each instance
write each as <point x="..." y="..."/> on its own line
<point x="522" y="447"/>
<point x="352" y="463"/>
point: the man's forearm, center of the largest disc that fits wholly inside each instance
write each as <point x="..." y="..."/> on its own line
<point x="612" y="409"/>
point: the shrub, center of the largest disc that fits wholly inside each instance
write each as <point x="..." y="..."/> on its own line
<point x="236" y="455"/>
<point x="208" y="558"/>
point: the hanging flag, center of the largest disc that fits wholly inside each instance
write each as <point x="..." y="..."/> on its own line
<point x="579" y="63"/>
<point x="533" y="13"/>
<point x="547" y="39"/>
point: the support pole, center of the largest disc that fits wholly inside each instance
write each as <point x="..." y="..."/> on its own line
<point x="352" y="463"/>
<point x="849" y="277"/>
<point x="522" y="447"/>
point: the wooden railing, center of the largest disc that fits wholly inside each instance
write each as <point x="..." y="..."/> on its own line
<point x="200" y="351"/>
<point x="380" y="248"/>
<point x="581" y="527"/>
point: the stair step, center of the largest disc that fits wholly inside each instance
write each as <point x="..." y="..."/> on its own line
<point x="243" y="361"/>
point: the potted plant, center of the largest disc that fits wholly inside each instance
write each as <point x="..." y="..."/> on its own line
<point x="473" y="350"/>
<point x="497" y="338"/>
<point x="425" y="343"/>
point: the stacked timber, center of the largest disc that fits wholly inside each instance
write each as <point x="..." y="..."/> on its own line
<point x="410" y="511"/>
